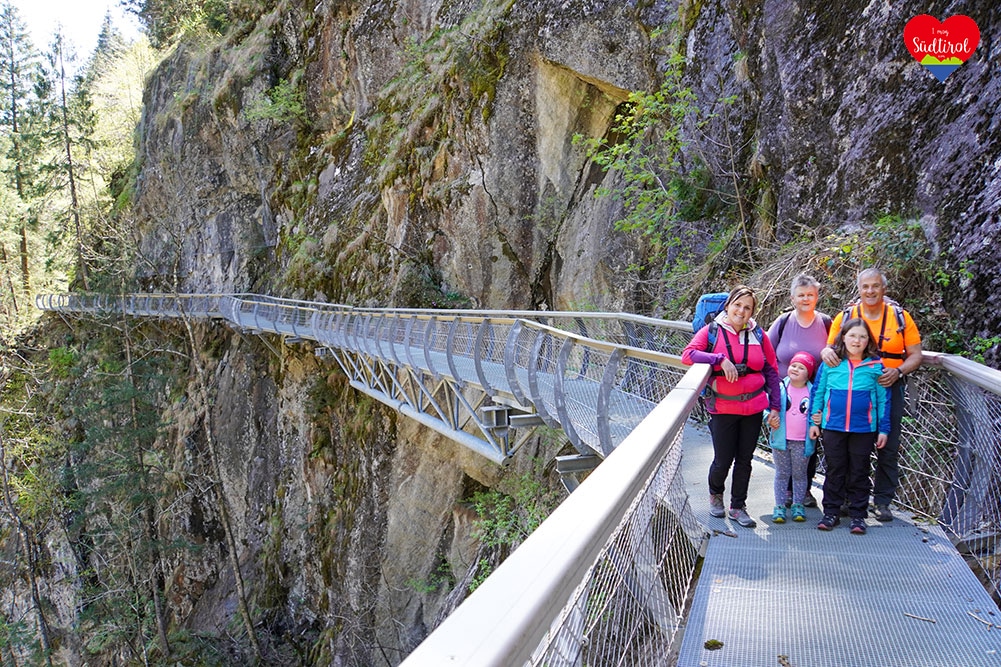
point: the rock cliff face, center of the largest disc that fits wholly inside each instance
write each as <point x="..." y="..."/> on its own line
<point x="435" y="163"/>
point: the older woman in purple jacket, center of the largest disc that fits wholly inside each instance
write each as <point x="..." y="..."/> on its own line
<point x="802" y="329"/>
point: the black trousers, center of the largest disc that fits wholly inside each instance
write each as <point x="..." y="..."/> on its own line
<point x="847" y="479"/>
<point x="887" y="474"/>
<point x="734" y="439"/>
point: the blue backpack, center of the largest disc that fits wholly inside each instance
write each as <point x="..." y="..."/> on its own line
<point x="707" y="308"/>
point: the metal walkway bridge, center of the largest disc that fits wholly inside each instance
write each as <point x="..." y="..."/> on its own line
<point x="610" y="577"/>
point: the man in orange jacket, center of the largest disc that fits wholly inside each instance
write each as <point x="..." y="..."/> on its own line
<point x="899" y="345"/>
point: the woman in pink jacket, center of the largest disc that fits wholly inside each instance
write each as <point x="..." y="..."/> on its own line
<point x="744" y="384"/>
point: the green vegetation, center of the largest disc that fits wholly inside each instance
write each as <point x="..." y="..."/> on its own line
<point x="448" y="80"/>
<point x="645" y="147"/>
<point x="167" y="20"/>
<point x="673" y="197"/>
<point x="508" y="514"/>
<point x="61" y="361"/>
<point x="281" y="104"/>
<point x="81" y="467"/>
<point x="441" y="579"/>
<point x="897" y="244"/>
<point x="63" y="141"/>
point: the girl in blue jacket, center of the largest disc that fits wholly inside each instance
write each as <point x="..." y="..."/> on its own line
<point x="853" y="410"/>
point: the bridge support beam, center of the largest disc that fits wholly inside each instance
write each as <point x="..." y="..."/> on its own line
<point x="572" y="467"/>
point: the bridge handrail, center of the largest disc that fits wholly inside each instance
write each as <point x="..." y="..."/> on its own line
<point x="552" y="362"/>
<point x="980" y="375"/>
<point x="503" y="621"/>
<point x="84" y="302"/>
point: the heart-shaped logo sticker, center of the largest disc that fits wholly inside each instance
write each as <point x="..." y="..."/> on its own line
<point x="941" y="46"/>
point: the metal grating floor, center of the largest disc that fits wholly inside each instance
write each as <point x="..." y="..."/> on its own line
<point x="792" y="596"/>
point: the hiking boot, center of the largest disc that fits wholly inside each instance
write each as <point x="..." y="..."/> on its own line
<point x="716" y="505"/>
<point x="779" y="514"/>
<point x="828" y="522"/>
<point x="809" y="501"/>
<point x="740" y="515"/>
<point x="798" y="512"/>
<point x="883" y="513"/>
<point x="858" y="526"/>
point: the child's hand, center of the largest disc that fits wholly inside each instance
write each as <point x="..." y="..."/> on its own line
<point x="773" y="419"/>
<point x="816" y="418"/>
<point x="815" y="432"/>
<point x="881" y="441"/>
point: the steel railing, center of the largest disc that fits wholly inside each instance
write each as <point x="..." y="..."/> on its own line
<point x="593" y="375"/>
<point x="619" y="554"/>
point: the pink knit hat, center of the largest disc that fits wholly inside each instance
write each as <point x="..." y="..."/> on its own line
<point x="807" y="360"/>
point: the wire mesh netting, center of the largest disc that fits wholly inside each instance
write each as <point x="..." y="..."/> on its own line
<point x="630" y="607"/>
<point x="928" y="442"/>
<point x="950" y="458"/>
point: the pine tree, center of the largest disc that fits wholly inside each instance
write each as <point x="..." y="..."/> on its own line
<point x="111" y="46"/>
<point x="164" y="19"/>
<point x="111" y="481"/>
<point x="71" y="124"/>
<point x="20" y="81"/>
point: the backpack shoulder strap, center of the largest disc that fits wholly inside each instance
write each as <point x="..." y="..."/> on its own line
<point x="712" y="333"/>
<point x="899" y="312"/>
<point x="783" y="319"/>
<point x="826" y="319"/>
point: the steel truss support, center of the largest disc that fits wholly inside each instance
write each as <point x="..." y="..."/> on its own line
<point x="460" y="411"/>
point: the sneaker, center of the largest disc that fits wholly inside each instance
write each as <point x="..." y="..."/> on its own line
<point x="883" y="513"/>
<point x="779" y="514"/>
<point x="788" y="501"/>
<point x="828" y="522"/>
<point x="798" y="512"/>
<point x="809" y="501"/>
<point x="845" y="510"/>
<point x="716" y="505"/>
<point x="858" y="526"/>
<point x="740" y="515"/>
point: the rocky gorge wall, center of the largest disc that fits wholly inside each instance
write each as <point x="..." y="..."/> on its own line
<point x="435" y="164"/>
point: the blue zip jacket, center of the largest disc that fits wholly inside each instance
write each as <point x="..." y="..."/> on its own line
<point x="777" y="438"/>
<point x="850" y="399"/>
